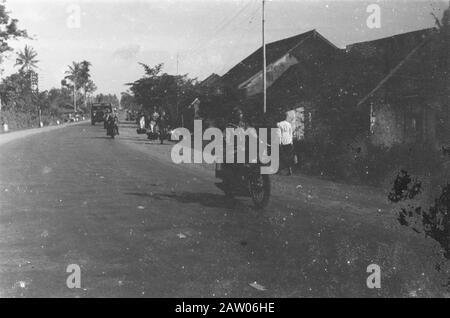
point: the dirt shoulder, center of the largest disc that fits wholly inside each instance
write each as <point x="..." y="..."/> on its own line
<point x="343" y="228"/>
<point x="15" y="135"/>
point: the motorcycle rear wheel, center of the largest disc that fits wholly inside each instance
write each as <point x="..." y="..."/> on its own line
<point x="259" y="187"/>
<point x="226" y="187"/>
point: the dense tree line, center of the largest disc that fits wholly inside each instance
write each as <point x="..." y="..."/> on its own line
<point x="166" y="92"/>
<point x="20" y="97"/>
<point x="107" y="98"/>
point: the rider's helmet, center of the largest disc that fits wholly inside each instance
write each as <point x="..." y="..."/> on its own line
<point x="237" y="116"/>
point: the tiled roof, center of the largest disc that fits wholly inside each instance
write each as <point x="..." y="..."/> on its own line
<point x="253" y="63"/>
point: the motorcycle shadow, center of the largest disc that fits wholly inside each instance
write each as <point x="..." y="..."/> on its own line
<point x="157" y="143"/>
<point x="137" y="139"/>
<point x="100" y="137"/>
<point x="209" y="200"/>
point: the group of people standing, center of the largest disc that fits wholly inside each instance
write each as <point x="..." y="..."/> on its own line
<point x="285" y="133"/>
<point x="154" y="120"/>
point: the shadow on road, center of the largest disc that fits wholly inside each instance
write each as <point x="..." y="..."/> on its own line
<point x="137" y="140"/>
<point x="157" y="143"/>
<point x="129" y="124"/>
<point x="205" y="199"/>
<point x="131" y="138"/>
<point x="99" y="137"/>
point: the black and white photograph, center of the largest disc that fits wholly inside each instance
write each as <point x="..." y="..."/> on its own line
<point x="236" y="152"/>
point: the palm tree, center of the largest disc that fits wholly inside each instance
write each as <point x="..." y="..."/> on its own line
<point x="89" y="88"/>
<point x="26" y="59"/>
<point x="84" y="71"/>
<point x="73" y="73"/>
<point x="86" y="83"/>
<point x="74" y="76"/>
<point x="79" y="77"/>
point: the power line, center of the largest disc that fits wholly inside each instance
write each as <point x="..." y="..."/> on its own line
<point x="251" y="16"/>
<point x="222" y="27"/>
<point x="224" y="21"/>
<point x="200" y="42"/>
<point x="234" y="17"/>
<point x="246" y="32"/>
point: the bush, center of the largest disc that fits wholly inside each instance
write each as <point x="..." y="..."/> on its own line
<point x="359" y="161"/>
<point x="380" y="166"/>
<point x="315" y="157"/>
<point x="19" y="120"/>
<point x="432" y="220"/>
<point x="23" y="120"/>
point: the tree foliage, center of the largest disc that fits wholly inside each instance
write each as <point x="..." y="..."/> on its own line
<point x="17" y="96"/>
<point x="26" y="59"/>
<point x="107" y="98"/>
<point x="16" y="92"/>
<point x="128" y="101"/>
<point x="8" y="29"/>
<point x="78" y="75"/>
<point x="170" y="93"/>
<point x="78" y="79"/>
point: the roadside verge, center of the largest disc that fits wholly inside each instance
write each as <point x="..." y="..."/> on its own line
<point x="14" y="135"/>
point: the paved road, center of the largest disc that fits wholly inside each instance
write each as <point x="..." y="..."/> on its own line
<point x="139" y="225"/>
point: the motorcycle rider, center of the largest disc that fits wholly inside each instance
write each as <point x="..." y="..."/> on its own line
<point x="154" y="117"/>
<point x="237" y="120"/>
<point x="242" y="178"/>
<point x="163" y="124"/>
<point x="112" y="123"/>
<point x="106" y="116"/>
<point x="116" y="121"/>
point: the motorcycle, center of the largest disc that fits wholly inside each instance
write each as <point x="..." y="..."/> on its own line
<point x="112" y="127"/>
<point x="152" y="133"/>
<point x="244" y="180"/>
<point x="163" y="134"/>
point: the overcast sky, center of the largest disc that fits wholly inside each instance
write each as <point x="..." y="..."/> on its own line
<point x="207" y="35"/>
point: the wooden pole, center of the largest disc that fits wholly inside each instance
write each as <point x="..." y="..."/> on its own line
<point x="74" y="99"/>
<point x="264" y="59"/>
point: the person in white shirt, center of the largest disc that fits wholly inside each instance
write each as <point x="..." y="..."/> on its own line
<point x="142" y="122"/>
<point x="286" y="144"/>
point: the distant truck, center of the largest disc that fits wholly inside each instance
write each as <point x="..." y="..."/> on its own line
<point x="98" y="112"/>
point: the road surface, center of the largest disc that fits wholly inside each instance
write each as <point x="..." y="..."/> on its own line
<point x="140" y="226"/>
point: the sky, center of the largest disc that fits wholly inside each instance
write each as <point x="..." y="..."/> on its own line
<point x="195" y="37"/>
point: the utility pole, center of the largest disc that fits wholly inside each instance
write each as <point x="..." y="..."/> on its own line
<point x="178" y="106"/>
<point x="264" y="60"/>
<point x="1" y="73"/>
<point x="74" y="98"/>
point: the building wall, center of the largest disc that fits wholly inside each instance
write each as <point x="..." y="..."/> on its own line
<point x="297" y="119"/>
<point x="403" y="123"/>
<point x="387" y="128"/>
